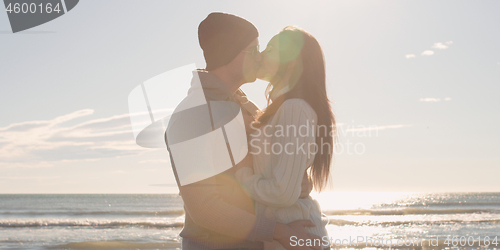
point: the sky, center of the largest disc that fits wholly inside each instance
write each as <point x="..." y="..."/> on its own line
<point x="414" y="86"/>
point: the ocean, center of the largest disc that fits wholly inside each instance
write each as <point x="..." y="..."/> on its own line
<point x="153" y="221"/>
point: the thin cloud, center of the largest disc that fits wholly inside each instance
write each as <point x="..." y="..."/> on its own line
<point x="378" y="128"/>
<point x="119" y="172"/>
<point x="430" y="99"/>
<point x="434" y="99"/>
<point x="164" y="185"/>
<point x="38" y="178"/>
<point x="113" y="122"/>
<point x="42" y="164"/>
<point x="428" y="53"/>
<point x="29" y="125"/>
<point x="439" y="46"/>
<point x="41" y="143"/>
<point x="154" y="161"/>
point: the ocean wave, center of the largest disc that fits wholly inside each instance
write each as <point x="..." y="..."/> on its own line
<point x="460" y="203"/>
<point x="415" y="244"/>
<point x="401" y="211"/>
<point x="88" y="223"/>
<point x="84" y="213"/>
<point x="117" y="245"/>
<point x="98" y="224"/>
<point x="342" y="222"/>
<point x="408" y="211"/>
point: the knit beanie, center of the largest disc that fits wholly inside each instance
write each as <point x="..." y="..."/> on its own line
<point x="223" y="36"/>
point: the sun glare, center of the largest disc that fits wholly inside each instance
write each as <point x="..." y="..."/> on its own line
<point x="357" y="200"/>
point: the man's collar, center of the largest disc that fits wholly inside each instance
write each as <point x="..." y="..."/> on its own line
<point x="213" y="87"/>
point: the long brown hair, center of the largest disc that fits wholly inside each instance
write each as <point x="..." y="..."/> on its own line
<point x="308" y="82"/>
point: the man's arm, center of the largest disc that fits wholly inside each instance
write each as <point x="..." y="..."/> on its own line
<point x="207" y="209"/>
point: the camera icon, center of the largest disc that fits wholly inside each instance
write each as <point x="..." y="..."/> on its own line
<point x="204" y="137"/>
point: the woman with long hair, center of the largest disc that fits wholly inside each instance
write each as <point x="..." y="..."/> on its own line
<point x="294" y="136"/>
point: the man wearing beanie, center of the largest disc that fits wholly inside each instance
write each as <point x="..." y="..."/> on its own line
<point x="219" y="213"/>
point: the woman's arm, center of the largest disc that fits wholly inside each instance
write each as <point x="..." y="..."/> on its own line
<point x="282" y="187"/>
<point x="306" y="186"/>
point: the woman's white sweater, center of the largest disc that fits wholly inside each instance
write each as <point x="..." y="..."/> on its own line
<point x="282" y="150"/>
